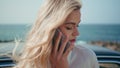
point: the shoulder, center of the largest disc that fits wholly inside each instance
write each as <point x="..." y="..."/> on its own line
<point x="83" y="50"/>
<point x="83" y="57"/>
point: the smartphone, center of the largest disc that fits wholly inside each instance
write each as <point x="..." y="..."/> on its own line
<point x="61" y="40"/>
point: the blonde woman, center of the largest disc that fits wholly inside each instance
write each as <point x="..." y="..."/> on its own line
<point x="63" y="17"/>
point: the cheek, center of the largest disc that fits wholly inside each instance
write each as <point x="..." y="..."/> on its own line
<point x="66" y="32"/>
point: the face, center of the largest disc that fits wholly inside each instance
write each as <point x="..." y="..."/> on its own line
<point x="70" y="27"/>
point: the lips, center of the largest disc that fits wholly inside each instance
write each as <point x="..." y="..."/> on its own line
<point x="73" y="40"/>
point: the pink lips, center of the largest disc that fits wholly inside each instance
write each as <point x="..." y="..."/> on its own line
<point x="72" y="41"/>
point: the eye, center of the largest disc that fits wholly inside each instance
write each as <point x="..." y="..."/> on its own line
<point x="69" y="27"/>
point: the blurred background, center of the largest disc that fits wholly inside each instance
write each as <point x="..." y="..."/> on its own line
<point x="100" y="21"/>
<point x="100" y="24"/>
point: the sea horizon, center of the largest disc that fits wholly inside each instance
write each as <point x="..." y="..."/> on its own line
<point x="88" y="32"/>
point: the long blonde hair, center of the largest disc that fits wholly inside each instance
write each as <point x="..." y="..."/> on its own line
<point x="37" y="49"/>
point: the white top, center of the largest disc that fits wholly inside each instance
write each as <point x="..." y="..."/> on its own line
<point x="82" y="57"/>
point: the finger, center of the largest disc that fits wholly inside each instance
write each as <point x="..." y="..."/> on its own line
<point x="69" y="49"/>
<point x="52" y="61"/>
<point x="63" y="45"/>
<point x="57" y="43"/>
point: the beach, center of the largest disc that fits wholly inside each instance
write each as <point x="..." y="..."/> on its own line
<point x="107" y="44"/>
<point x="6" y="47"/>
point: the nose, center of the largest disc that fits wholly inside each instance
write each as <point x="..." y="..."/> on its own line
<point x="76" y="32"/>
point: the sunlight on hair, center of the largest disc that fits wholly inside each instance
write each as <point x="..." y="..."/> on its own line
<point x="38" y="45"/>
<point x="14" y="54"/>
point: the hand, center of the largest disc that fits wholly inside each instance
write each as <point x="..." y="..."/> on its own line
<point x="58" y="59"/>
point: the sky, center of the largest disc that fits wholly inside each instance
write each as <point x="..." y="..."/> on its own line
<point x="93" y="11"/>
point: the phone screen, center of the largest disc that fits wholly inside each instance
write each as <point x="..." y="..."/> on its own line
<point x="61" y="40"/>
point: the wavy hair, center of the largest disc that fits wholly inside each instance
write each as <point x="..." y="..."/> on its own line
<point x="38" y="44"/>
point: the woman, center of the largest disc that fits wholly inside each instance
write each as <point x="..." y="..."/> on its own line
<point x="39" y="51"/>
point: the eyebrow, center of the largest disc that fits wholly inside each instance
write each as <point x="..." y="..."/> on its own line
<point x="71" y="22"/>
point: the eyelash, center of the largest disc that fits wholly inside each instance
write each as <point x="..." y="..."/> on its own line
<point x="69" y="28"/>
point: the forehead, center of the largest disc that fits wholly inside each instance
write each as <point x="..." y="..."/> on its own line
<point x="74" y="17"/>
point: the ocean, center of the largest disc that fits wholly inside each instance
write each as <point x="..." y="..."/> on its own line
<point x="88" y="32"/>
